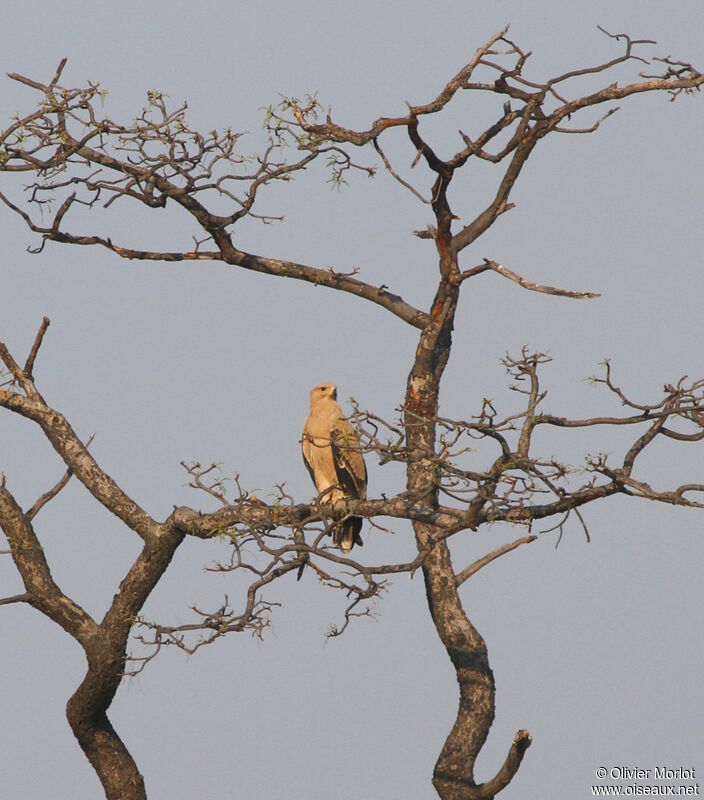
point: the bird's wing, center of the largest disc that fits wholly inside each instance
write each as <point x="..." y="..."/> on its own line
<point x="347" y="457"/>
<point x="306" y="445"/>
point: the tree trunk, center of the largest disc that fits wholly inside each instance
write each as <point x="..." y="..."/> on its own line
<point x="104" y="749"/>
<point x="453" y="776"/>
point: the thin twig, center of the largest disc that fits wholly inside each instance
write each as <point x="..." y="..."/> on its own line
<point x="391" y="170"/>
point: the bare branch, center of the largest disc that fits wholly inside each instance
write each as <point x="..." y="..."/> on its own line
<point x="391" y="170"/>
<point x="18" y="598"/>
<point x="51" y="494"/>
<point x="474" y="567"/>
<point x="42" y="591"/>
<point x="336" y="133"/>
<point x="521" y="742"/>
<point x="76" y="457"/>
<point x="591" y="128"/>
<point x="29" y="365"/>
<point x="47" y="496"/>
<point x="526" y="284"/>
<point x="23" y="380"/>
<point x="214" y="489"/>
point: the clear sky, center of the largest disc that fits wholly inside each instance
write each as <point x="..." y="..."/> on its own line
<point x="596" y="648"/>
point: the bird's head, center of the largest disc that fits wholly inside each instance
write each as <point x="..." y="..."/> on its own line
<point x="323" y="391"/>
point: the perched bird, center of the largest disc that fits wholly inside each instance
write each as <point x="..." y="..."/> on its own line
<point x="333" y="456"/>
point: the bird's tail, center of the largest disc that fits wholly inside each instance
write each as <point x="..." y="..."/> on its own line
<point x="346" y="534"/>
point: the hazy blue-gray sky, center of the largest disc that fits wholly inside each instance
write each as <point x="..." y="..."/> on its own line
<point x="596" y="648"/>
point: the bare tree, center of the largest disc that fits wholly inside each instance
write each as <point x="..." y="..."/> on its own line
<point x="73" y="156"/>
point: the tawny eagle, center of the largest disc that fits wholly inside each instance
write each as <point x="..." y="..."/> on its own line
<point x="333" y="456"/>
